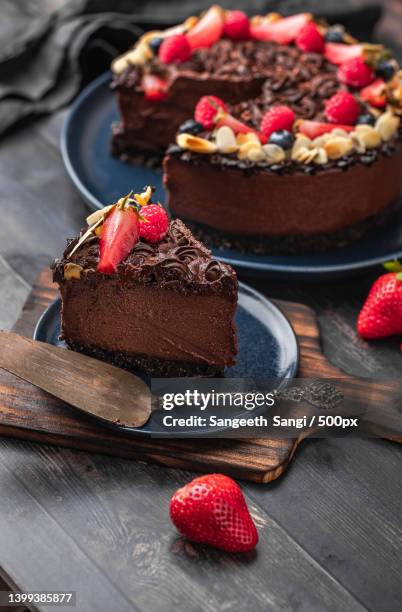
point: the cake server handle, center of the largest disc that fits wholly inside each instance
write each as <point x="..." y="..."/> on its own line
<point x="98" y="389"/>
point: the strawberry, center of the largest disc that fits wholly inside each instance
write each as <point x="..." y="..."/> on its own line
<point x="313" y="129"/>
<point x="339" y="53"/>
<point x="374" y="94"/>
<point x="381" y="314"/>
<point x="154" y="87"/>
<point x="154" y="223"/>
<point x="310" y="39"/>
<point x="238" y="127"/>
<point x="206" y="110"/>
<point x="174" y="49"/>
<point x="212" y="510"/>
<point x="282" y="31"/>
<point x="208" y="29"/>
<point x="277" y="118"/>
<point x="236" y="26"/>
<point x="342" y="108"/>
<point x="356" y="73"/>
<point x="119" y="234"/>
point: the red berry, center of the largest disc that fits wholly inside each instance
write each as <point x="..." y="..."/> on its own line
<point x="156" y="223"/>
<point x="212" y="510"/>
<point x="282" y="31"/>
<point x="339" y="53"/>
<point x="208" y="29"/>
<point x="310" y="39"/>
<point x="175" y="49"/>
<point x="342" y="108"/>
<point x="207" y="109"/>
<point x="119" y="234"/>
<point x="313" y="129"/>
<point x="381" y="314"/>
<point x="236" y="25"/>
<point x="277" y="118"/>
<point x="375" y="94"/>
<point x="154" y="87"/>
<point x="355" y="73"/>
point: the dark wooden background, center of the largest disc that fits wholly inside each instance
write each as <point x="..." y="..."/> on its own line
<point x="330" y="528"/>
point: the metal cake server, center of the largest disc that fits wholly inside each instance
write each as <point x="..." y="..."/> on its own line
<point x="93" y="387"/>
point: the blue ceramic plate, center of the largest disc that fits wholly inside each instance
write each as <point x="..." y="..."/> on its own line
<point x="101" y="179"/>
<point x="268" y="347"/>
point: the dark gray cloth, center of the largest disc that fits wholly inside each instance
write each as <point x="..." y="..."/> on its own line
<point x="46" y="58"/>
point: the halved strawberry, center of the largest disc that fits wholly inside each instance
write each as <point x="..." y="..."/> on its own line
<point x="282" y="31"/>
<point x="374" y="94"/>
<point x="155" y="88"/>
<point x="208" y="30"/>
<point x="338" y="53"/>
<point x="313" y="129"/>
<point x="119" y="234"/>
<point x="237" y="126"/>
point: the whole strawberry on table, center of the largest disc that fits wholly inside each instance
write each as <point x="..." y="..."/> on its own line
<point x="381" y="315"/>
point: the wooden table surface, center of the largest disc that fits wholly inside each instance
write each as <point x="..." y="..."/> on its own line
<point x="330" y="528"/>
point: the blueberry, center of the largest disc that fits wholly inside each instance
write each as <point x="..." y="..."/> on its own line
<point x="154" y="44"/>
<point x="335" y="35"/>
<point x="385" y="70"/>
<point x="366" y="119"/>
<point x="282" y="138"/>
<point x="190" y="127"/>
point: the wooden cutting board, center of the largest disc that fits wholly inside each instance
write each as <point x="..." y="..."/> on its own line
<point x="28" y="413"/>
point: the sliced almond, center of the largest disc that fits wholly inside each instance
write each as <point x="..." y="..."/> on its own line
<point x="96" y="216"/>
<point x="338" y="147"/>
<point x="364" y="127"/>
<point x="72" y="271"/>
<point x="249" y="137"/>
<point x="358" y="141"/>
<point x="245" y="148"/>
<point x="302" y="142"/>
<point x="321" y="157"/>
<point x="339" y="132"/>
<point x="225" y="140"/>
<point x="135" y="57"/>
<point x="256" y="154"/>
<point x="196" y="144"/>
<point x="371" y="138"/>
<point x="319" y="141"/>
<point x="387" y="125"/>
<point x="273" y="153"/>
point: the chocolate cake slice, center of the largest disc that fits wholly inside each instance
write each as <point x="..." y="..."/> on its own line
<point x="167" y="309"/>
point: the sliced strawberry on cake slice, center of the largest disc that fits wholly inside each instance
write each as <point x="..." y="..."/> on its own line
<point x="119" y="234"/>
<point x="375" y="94"/>
<point x="208" y="30"/>
<point x="338" y="53"/>
<point x="280" y="30"/>
<point x="313" y="129"/>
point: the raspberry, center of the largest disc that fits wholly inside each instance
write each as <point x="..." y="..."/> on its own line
<point x="342" y="108"/>
<point x="277" y="118"/>
<point x="310" y="39"/>
<point x="175" y="49"/>
<point x="206" y="110"/>
<point x="156" y="223"/>
<point x="355" y="73"/>
<point x="236" y="25"/>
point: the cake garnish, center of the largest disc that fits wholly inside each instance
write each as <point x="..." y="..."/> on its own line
<point x="375" y="94"/>
<point x="212" y="112"/>
<point x="175" y="49"/>
<point x="310" y="39"/>
<point x="155" y="88"/>
<point x="277" y="118"/>
<point x="282" y="30"/>
<point x="208" y="29"/>
<point x="120" y="226"/>
<point x="356" y="73"/>
<point x="342" y="108"/>
<point x="237" y="26"/>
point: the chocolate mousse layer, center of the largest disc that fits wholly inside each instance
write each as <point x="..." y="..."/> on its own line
<point x="232" y="70"/>
<point x="269" y="209"/>
<point x="168" y="310"/>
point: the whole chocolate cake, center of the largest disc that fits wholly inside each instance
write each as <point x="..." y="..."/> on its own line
<point x="141" y="292"/>
<point x="286" y="128"/>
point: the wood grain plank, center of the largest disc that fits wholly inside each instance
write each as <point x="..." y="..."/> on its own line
<point x="117" y="512"/>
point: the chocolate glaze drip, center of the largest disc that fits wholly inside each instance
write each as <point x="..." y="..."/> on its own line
<point x="178" y="262"/>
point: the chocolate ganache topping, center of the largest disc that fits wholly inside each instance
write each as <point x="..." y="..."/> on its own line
<point x="178" y="262"/>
